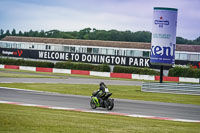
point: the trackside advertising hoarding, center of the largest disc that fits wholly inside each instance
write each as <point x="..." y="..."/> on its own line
<point x="163" y="42"/>
<point x="76" y="57"/>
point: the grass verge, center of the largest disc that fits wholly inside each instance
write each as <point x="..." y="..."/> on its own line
<point x="20" y="119"/>
<point x="119" y="91"/>
<point x="52" y="75"/>
<point x="15" y="75"/>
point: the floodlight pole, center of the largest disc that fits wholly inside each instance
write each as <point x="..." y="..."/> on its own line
<point x="161" y="73"/>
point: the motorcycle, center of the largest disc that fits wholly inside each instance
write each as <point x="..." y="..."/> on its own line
<point x="107" y="103"/>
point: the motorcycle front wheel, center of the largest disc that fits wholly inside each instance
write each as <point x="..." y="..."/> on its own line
<point x="110" y="104"/>
<point x="92" y="104"/>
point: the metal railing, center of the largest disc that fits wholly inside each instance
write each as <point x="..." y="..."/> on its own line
<point x="176" y="88"/>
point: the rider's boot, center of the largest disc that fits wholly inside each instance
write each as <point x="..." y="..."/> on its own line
<point x="100" y="101"/>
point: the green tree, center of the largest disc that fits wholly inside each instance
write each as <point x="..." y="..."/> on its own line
<point x="180" y="40"/>
<point x="84" y="32"/>
<point x="128" y="36"/>
<point x="26" y="34"/>
<point x="53" y="33"/>
<point x="142" y="36"/>
<point x="42" y="33"/>
<point x="2" y="35"/>
<point x="197" y="41"/>
<point x="114" y="35"/>
<point x="1" y="32"/>
<point x="36" y="34"/>
<point x="20" y="33"/>
<point x="13" y="33"/>
<point x="30" y="33"/>
<point x="74" y="34"/>
<point x="7" y="33"/>
<point x="95" y="34"/>
<point x="102" y="35"/>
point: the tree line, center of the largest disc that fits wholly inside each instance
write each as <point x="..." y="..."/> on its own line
<point x="95" y="34"/>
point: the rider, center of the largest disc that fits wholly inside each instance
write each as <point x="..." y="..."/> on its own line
<point x="101" y="92"/>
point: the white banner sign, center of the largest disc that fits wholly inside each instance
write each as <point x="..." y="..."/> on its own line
<point x="163" y="40"/>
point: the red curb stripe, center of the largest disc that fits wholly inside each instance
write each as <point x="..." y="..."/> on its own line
<point x="41" y="106"/>
<point x="113" y="113"/>
<point x="165" y="78"/>
<point x="78" y="110"/>
<point x="11" y="67"/>
<point x="160" y="118"/>
<point x="121" y="75"/>
<point x="80" y="72"/>
<point x="43" y="69"/>
<point x="113" y="75"/>
<point x="13" y="103"/>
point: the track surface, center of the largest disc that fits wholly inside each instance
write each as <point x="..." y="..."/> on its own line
<point x="169" y="110"/>
<point x="69" y="80"/>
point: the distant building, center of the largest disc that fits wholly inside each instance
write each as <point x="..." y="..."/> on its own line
<point x="91" y="51"/>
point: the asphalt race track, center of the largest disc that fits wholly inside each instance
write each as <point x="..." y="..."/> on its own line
<point x="157" y="109"/>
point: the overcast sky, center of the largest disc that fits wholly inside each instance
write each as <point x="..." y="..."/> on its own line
<point x="73" y="15"/>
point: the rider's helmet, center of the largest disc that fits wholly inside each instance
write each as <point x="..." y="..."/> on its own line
<point x="101" y="84"/>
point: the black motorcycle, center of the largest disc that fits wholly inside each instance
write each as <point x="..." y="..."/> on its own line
<point x="107" y="103"/>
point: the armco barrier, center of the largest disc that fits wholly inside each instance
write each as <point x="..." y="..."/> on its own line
<point x="11" y="67"/>
<point x="101" y="74"/>
<point x="176" y="88"/>
<point x="165" y="78"/>
<point x="42" y="69"/>
<point x="27" y="68"/>
<point x="1" y="66"/>
<point x="80" y="72"/>
<point x="143" y="77"/>
<point x="55" y="70"/>
<point x="192" y="80"/>
<point x="121" y="75"/>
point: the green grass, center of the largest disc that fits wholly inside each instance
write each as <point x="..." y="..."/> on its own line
<point x="15" y="75"/>
<point x="119" y="91"/>
<point x="20" y="119"/>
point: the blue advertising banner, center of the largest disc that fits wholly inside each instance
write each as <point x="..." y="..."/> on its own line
<point x="163" y="42"/>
